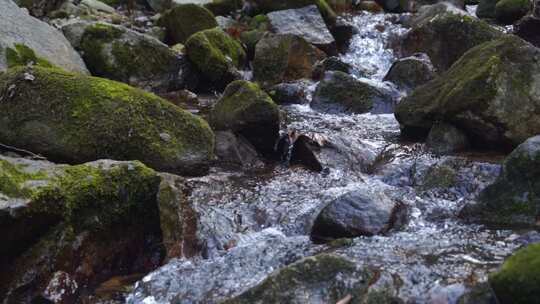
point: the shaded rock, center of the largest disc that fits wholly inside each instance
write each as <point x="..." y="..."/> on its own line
<point x="299" y="150"/>
<point x="289" y="93"/>
<point x="106" y="224"/>
<point x="527" y="29"/>
<point x="323" y="278"/>
<point x="250" y="40"/>
<point x="117" y="53"/>
<point x="518" y="279"/>
<point x="304" y="22"/>
<point x="444" y="139"/>
<point x="184" y="20"/>
<point x="481" y="96"/>
<point x="396" y="6"/>
<point x="161" y="5"/>
<point x="339" y="92"/>
<point x="361" y="212"/>
<point x="446" y="37"/>
<point x="343" y="31"/>
<point x="74" y="118"/>
<point x="236" y="151"/>
<point x="411" y="72"/>
<point x="216" y="55"/>
<point x="177" y="218"/>
<point x="439" y="176"/>
<point x="284" y="58"/>
<point x="330" y="64"/>
<point x="514" y="199"/>
<point x="509" y="11"/>
<point x="224" y="7"/>
<point x="247" y="110"/>
<point x="486" y="9"/>
<point x="40" y="8"/>
<point x="18" y="28"/>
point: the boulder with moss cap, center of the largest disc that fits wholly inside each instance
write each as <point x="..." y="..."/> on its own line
<point x="74" y="118"/>
<point x="247" y="110"/>
<point x="491" y="94"/>
<point x="184" y="20"/>
<point x="446" y="37"/>
<point x="216" y="55"/>
<point x="510" y="11"/>
<point x="518" y="280"/>
<point x="101" y="217"/>
<point x="120" y="54"/>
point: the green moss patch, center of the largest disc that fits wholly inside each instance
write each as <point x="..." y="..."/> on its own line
<point x="13" y="179"/>
<point x="21" y="55"/>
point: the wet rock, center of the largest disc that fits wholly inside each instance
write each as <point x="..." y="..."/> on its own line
<point x="98" y="230"/>
<point x="330" y="64"/>
<point x="411" y="72"/>
<point x="343" y="31"/>
<point x="284" y="58"/>
<point x="323" y="278"/>
<point x="120" y="54"/>
<point x="224" y="7"/>
<point x="182" y="21"/>
<point x="509" y="11"/>
<point x="364" y="211"/>
<point x="517" y="280"/>
<point x="161" y="5"/>
<point x="304" y="22"/>
<point x="486" y="9"/>
<point x="446" y="37"/>
<point x="39" y="8"/>
<point x="369" y="6"/>
<point x="216" y="55"/>
<point x="177" y="218"/>
<point x="339" y="92"/>
<point x="479" y="294"/>
<point x="299" y="150"/>
<point x="527" y="29"/>
<point x="513" y="200"/>
<point x="74" y="118"/>
<point x="499" y="114"/>
<point x="247" y="110"/>
<point x="441" y="176"/>
<point x="427" y="12"/>
<point x="236" y="151"/>
<point x="234" y="272"/>
<point x="18" y="29"/>
<point x="267" y="6"/>
<point x="289" y="93"/>
<point x="250" y="40"/>
<point x="396" y="6"/>
<point x="444" y="139"/>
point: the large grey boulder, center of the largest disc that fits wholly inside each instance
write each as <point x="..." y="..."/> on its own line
<point x="364" y="211"/>
<point x="492" y="94"/>
<point x="19" y="28"/>
<point x="514" y="199"/>
<point x="305" y="22"/>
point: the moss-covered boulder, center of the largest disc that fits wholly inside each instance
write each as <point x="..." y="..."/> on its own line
<point x="74" y="118"/>
<point x="216" y="55"/>
<point x="446" y="37"/>
<point x="527" y="28"/>
<point x="509" y="11"/>
<point x="120" y="54"/>
<point x="247" y="110"/>
<point x="491" y="94"/>
<point x="518" y="280"/>
<point x="514" y="199"/>
<point x="283" y="58"/>
<point x="445" y="139"/>
<point x="323" y="278"/>
<point x="266" y="6"/>
<point x="411" y="72"/>
<point x="224" y="7"/>
<point x="486" y="9"/>
<point x="90" y="221"/>
<point x="340" y="92"/>
<point x="184" y="20"/>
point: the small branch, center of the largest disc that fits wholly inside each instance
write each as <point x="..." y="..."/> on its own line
<point x="6" y="148"/>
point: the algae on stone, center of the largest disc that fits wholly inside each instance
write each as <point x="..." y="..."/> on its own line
<point x="75" y="118"/>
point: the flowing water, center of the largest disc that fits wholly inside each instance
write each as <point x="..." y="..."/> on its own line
<point x="254" y="223"/>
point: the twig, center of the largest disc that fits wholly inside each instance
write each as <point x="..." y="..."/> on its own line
<point x="6" y="148"/>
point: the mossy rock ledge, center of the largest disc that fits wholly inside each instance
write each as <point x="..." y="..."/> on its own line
<point x="491" y="94"/>
<point x="74" y="226"/>
<point x="518" y="280"/>
<point x="74" y="118"/>
<point x="247" y="110"/>
<point x="184" y="20"/>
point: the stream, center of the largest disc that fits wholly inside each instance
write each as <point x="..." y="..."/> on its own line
<point x="251" y="224"/>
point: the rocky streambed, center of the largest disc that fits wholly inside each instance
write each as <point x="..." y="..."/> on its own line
<point x="354" y="152"/>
